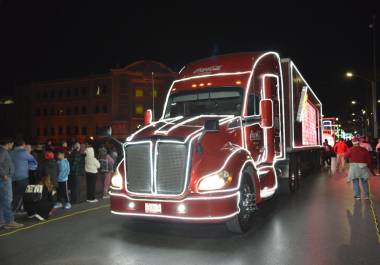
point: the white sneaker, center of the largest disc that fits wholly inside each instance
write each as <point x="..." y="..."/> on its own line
<point x="31" y="216"/>
<point x="58" y="205"/>
<point x="39" y="217"/>
<point x="67" y="206"/>
<point x="92" y="201"/>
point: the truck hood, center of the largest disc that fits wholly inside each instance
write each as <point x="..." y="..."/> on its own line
<point x="178" y="128"/>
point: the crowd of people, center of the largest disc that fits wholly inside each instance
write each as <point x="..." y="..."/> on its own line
<point x="358" y="152"/>
<point x="41" y="179"/>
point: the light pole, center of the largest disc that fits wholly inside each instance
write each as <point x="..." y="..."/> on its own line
<point x="374" y="81"/>
<point x="153" y="114"/>
<point x="373" y="101"/>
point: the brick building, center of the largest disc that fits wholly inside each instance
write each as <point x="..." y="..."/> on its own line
<point x="74" y="108"/>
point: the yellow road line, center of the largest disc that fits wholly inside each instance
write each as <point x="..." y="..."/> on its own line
<point x="374" y="216"/>
<point x="54" y="219"/>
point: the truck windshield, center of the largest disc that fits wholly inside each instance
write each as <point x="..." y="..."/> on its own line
<point x="214" y="101"/>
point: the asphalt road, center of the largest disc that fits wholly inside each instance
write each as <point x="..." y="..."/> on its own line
<point x="319" y="225"/>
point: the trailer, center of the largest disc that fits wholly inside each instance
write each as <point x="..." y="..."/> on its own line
<point x="232" y="126"/>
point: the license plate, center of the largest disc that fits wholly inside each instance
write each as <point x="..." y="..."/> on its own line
<point x="153" y="208"/>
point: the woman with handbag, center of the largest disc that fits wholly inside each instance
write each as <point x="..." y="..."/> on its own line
<point x="39" y="199"/>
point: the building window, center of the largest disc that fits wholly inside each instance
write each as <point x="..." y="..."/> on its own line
<point x="52" y="131"/>
<point x="59" y="111"/>
<point x="84" y="131"/>
<point x="96" y="109"/>
<point x="60" y="93"/>
<point x="45" y="131"/>
<point x="68" y="92"/>
<point x="100" y="90"/>
<point x="52" y="111"/>
<point x="76" y="92"/>
<point x="60" y="130"/>
<point x="52" y="93"/>
<point x="84" y="110"/>
<point x="76" y="131"/>
<point x="84" y="91"/>
<point x="76" y="110"/>
<point x="104" y="108"/>
<point x="68" y="130"/>
<point x="139" y="92"/>
<point x="45" y="95"/>
<point x="68" y="111"/>
<point x="139" y="109"/>
<point x="38" y="132"/>
<point x="38" y="112"/>
<point x="45" y="112"/>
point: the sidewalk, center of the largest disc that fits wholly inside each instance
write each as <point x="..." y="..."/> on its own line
<point x="57" y="214"/>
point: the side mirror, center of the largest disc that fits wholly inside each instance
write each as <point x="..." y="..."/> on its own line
<point x="266" y="107"/>
<point x="211" y="126"/>
<point x="105" y="131"/>
<point x="148" y="117"/>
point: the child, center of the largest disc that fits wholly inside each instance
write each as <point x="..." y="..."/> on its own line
<point x="62" y="178"/>
<point x="39" y="199"/>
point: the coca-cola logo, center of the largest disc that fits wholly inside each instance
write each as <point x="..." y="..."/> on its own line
<point x="203" y="70"/>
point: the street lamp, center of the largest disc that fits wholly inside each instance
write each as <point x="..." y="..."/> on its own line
<point x="351" y="75"/>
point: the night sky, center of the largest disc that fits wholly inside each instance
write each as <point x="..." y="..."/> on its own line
<point x="43" y="40"/>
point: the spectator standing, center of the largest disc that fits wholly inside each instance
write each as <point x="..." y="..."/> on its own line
<point x="326" y="153"/>
<point x="6" y="172"/>
<point x="49" y="167"/>
<point x="40" y="204"/>
<point x="340" y="148"/>
<point x="23" y="162"/>
<point x="106" y="170"/>
<point x="76" y="172"/>
<point x="360" y="168"/>
<point x="378" y="155"/>
<point x="91" y="168"/>
<point x="62" y="179"/>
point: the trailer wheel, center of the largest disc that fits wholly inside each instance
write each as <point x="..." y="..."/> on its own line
<point x="242" y="221"/>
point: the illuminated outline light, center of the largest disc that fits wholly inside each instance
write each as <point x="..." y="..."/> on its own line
<point x="187" y="218"/>
<point x="291" y="66"/>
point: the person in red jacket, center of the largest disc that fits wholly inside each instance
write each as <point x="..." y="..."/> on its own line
<point x="360" y="168"/>
<point x="340" y="148"/>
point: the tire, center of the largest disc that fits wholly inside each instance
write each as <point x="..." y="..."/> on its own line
<point x="241" y="223"/>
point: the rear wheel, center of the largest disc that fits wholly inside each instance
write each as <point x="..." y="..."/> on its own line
<point x="242" y="221"/>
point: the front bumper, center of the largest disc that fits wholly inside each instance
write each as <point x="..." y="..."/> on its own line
<point x="207" y="208"/>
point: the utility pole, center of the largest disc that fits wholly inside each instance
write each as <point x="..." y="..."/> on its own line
<point x="373" y="83"/>
<point x="153" y="114"/>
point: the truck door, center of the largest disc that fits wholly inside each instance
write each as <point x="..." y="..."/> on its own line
<point x="264" y="142"/>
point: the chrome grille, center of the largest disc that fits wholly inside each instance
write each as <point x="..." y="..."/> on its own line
<point x="138" y="168"/>
<point x="169" y="167"/>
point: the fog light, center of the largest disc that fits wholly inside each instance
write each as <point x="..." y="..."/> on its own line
<point x="181" y="208"/>
<point x="131" y="205"/>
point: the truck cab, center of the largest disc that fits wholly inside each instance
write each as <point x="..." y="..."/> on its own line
<point x="212" y="155"/>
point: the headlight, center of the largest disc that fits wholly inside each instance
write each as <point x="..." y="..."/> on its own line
<point x="216" y="181"/>
<point x="117" y="181"/>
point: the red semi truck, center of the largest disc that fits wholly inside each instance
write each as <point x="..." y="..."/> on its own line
<point x="232" y="126"/>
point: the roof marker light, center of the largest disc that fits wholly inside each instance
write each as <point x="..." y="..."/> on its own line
<point x="238" y="82"/>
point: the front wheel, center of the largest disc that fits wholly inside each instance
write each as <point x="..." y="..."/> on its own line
<point x="247" y="204"/>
